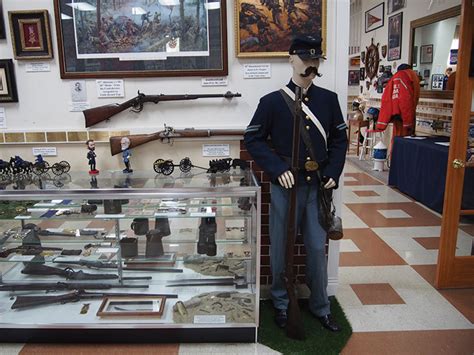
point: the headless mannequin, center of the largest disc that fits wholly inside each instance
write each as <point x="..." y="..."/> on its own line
<point x="299" y="66"/>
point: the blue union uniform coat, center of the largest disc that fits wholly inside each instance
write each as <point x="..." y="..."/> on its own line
<point x="274" y="119"/>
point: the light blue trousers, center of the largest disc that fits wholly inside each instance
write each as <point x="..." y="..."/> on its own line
<point x="314" y="242"/>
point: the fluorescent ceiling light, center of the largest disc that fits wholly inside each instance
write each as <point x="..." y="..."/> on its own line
<point x="138" y="11"/>
<point x="82" y="6"/>
<point x="169" y="2"/>
<point x="65" y="17"/>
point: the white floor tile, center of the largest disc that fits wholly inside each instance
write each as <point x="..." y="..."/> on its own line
<point x="227" y="349"/>
<point x="425" y="308"/>
<point x="394" y="214"/>
<point x="347" y="245"/>
<point x="10" y="349"/>
<point x="386" y="194"/>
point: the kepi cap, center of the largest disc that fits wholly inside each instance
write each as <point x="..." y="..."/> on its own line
<point x="307" y="47"/>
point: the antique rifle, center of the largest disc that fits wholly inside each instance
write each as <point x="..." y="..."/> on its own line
<point x="102" y="113"/>
<point x="97" y="264"/>
<point x="68" y="273"/>
<point x="61" y="286"/>
<point x="27" y="250"/>
<point x="294" y="327"/>
<point x="75" y="296"/>
<point x="168" y="134"/>
<point x="238" y="282"/>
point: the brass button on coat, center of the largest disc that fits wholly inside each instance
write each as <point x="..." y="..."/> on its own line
<point x="308" y="158"/>
<point x="307" y="128"/>
<point x="308" y="118"/>
<point x="308" y="178"/>
<point x="306" y="99"/>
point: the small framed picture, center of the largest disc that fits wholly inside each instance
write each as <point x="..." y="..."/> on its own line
<point x="362" y="73"/>
<point x="148" y="306"/>
<point x="374" y="18"/>
<point x="395" y="5"/>
<point x="395" y="36"/>
<point x="3" y="34"/>
<point x="426" y="54"/>
<point x="437" y="81"/>
<point x="354" y="77"/>
<point x="31" y="35"/>
<point x="426" y="73"/>
<point x="8" y="91"/>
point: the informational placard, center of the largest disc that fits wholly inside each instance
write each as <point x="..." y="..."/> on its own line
<point x="3" y="118"/>
<point x="209" y="319"/>
<point x="110" y="88"/>
<point x="257" y="71"/>
<point x="215" y="150"/>
<point x="78" y="106"/>
<point x="220" y="81"/>
<point x="45" y="151"/>
<point x="37" y="67"/>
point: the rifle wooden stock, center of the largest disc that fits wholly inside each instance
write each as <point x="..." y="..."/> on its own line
<point x="139" y="139"/>
<point x="102" y="113"/>
<point x="294" y="327"/>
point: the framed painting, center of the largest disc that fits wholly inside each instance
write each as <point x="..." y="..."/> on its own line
<point x="141" y="38"/>
<point x="395" y="5"/>
<point x="266" y="28"/>
<point x="3" y="34"/>
<point x="374" y="18"/>
<point x="122" y="306"/>
<point x="8" y="91"/>
<point x="426" y="54"/>
<point x="31" y="35"/>
<point x="395" y="36"/>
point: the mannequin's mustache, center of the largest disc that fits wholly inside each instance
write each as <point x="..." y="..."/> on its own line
<point x="309" y="71"/>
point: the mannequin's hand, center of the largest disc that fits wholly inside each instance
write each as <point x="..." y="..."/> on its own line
<point x="330" y="184"/>
<point x="286" y="179"/>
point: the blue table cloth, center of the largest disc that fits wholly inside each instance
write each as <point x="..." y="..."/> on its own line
<point x="418" y="169"/>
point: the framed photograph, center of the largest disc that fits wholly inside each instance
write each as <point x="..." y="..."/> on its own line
<point x="8" y="91"/>
<point x="354" y="77"/>
<point x="395" y="5"/>
<point x="266" y="28"/>
<point x="374" y="18"/>
<point x="426" y="54"/>
<point x="120" y="306"/>
<point x="31" y="35"/>
<point x="426" y="73"/>
<point x="453" y="56"/>
<point x="395" y="36"/>
<point x="141" y="38"/>
<point x="362" y="73"/>
<point x="437" y="81"/>
<point x="3" y="34"/>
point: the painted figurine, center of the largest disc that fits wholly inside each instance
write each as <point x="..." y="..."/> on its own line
<point x="126" y="154"/>
<point x="91" y="156"/>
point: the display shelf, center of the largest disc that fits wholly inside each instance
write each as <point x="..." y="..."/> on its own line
<point x="158" y="233"/>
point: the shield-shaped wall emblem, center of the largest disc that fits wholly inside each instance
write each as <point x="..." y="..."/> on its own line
<point x="384" y="51"/>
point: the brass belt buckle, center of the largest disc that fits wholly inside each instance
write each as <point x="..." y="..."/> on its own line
<point x="311" y="165"/>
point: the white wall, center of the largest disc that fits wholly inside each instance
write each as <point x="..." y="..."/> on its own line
<point x="413" y="10"/>
<point x="44" y="97"/>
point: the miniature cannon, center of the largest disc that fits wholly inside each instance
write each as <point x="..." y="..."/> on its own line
<point x="41" y="166"/>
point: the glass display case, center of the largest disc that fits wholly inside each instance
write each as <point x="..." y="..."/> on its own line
<point x="129" y="257"/>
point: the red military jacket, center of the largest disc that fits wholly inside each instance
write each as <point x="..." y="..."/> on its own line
<point x="400" y="97"/>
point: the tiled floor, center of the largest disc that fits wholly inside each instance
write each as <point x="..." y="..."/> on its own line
<point x="387" y="270"/>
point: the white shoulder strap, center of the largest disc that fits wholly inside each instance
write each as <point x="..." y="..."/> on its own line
<point x="310" y="114"/>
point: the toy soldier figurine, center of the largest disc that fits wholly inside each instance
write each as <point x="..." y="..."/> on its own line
<point x="91" y="156"/>
<point x="126" y="154"/>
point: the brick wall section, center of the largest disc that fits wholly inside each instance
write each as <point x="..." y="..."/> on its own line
<point x="299" y="250"/>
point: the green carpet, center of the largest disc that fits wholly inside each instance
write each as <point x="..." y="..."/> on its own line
<point x="318" y="339"/>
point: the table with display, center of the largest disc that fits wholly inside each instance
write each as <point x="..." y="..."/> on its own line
<point x="418" y="169"/>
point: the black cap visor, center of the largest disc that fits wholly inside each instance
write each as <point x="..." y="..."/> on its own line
<point x="306" y="54"/>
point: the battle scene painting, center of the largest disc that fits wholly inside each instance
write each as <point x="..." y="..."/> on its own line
<point x="140" y="29"/>
<point x="265" y="28"/>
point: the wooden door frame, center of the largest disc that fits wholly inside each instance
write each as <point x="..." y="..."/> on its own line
<point x="457" y="271"/>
